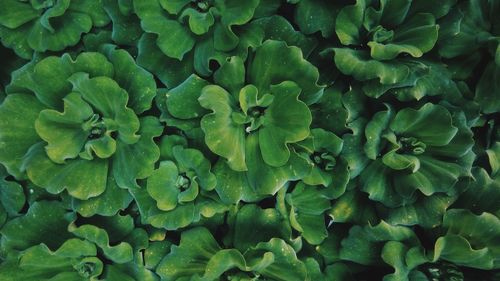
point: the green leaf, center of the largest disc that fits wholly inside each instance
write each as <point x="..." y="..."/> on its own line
<point x="74" y="260"/>
<point x="182" y="101"/>
<point x="136" y="161"/>
<point x="471" y="240"/>
<point x="354" y="207"/>
<point x="170" y="71"/>
<point x="273" y="63"/>
<point x="182" y="216"/>
<point x="352" y="150"/>
<point x="481" y="195"/>
<point x="423" y="124"/>
<point x="139" y="84"/>
<point x="120" y="253"/>
<point x="426" y="211"/>
<point x="415" y="37"/>
<point x="276" y="27"/>
<point x="230" y="184"/>
<point x="155" y="252"/>
<point x="466" y="28"/>
<point x="45" y="222"/>
<point x="314" y="15"/>
<point x="199" y="23"/>
<point x="162" y="186"/>
<point x="198" y="254"/>
<point x="126" y="27"/>
<point x="106" y="96"/>
<point x="402" y="259"/>
<point x="349" y="22"/>
<point x="362" y="67"/>
<point x="12" y="198"/>
<point x="425" y="79"/>
<point x="306" y="214"/>
<point x="363" y="245"/>
<point x="374" y="131"/>
<point x="324" y="152"/>
<point x="488" y="88"/>
<point x="82" y="179"/>
<point x="253" y="224"/>
<point x="231" y="75"/>
<point x="174" y="6"/>
<point x="174" y="40"/>
<point x="63" y="131"/>
<point x="93" y="8"/>
<point x="18" y="113"/>
<point x="192" y="161"/>
<point x="222" y="135"/>
<point x="48" y="79"/>
<point x="267" y="180"/>
<point x="277" y="260"/>
<point x="109" y="203"/>
<point x="14" y="14"/>
<point x="16" y="39"/>
<point x="283" y="126"/>
<point x="72" y="26"/>
<point x="232" y="13"/>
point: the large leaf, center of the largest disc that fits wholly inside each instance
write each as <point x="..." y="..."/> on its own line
<point x="109" y="203"/>
<point x="45" y="222"/>
<point x="170" y="71"/>
<point x="275" y="62"/>
<point x="136" y="161"/>
<point x="120" y="253"/>
<point x="267" y="180"/>
<point x="307" y="205"/>
<point x="197" y="255"/>
<point x="222" y="135"/>
<point x="17" y="137"/>
<point x="277" y="260"/>
<point x="254" y="224"/>
<point x="63" y="131"/>
<point x="81" y="178"/>
<point x="281" y="126"/>
<point x="174" y="39"/>
<point x="471" y="240"/>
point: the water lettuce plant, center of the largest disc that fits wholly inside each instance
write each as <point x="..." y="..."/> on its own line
<point x="306" y="140"/>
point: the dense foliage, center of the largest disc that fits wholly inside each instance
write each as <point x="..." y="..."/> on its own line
<point x="249" y="140"/>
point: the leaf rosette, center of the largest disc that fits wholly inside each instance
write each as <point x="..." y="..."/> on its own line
<point x="469" y="27"/>
<point x="183" y="37"/>
<point x="72" y="124"/>
<point x="47" y="25"/>
<point x="255" y="112"/>
<point x="384" y="244"/>
<point x="469" y="240"/>
<point x="200" y="257"/>
<point x="178" y="193"/>
<point x="384" y="43"/>
<point x="415" y="153"/>
<point x="252" y="114"/>
<point x="56" y="245"/>
<point x="329" y="169"/>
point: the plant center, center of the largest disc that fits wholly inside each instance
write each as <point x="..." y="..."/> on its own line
<point x="95" y="126"/>
<point x="85" y="269"/>
<point x="382" y="35"/>
<point x="201" y="5"/>
<point x="411" y="145"/>
<point x="323" y="160"/>
<point x="183" y="182"/>
<point x="255" y="113"/>
<point x="442" y="271"/>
